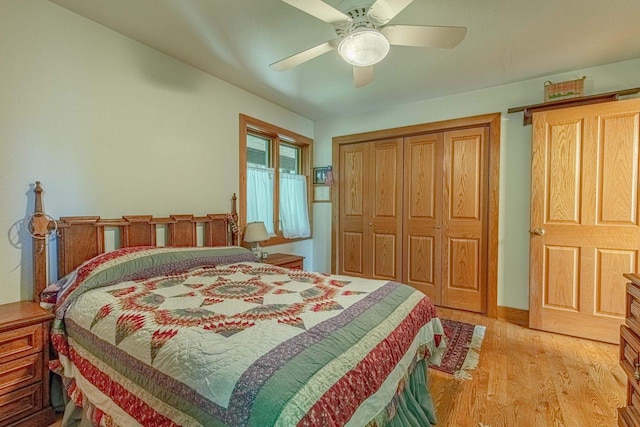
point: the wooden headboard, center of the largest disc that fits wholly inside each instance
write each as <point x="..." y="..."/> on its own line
<point x="81" y="238"/>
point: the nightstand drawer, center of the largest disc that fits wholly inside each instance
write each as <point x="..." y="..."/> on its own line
<point x="294" y="264"/>
<point x="20" y="403"/>
<point x="285" y="260"/>
<point x="20" y="373"/>
<point x="21" y="342"/>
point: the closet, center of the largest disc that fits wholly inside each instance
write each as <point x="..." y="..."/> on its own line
<point x="371" y="209"/>
<point x="413" y="208"/>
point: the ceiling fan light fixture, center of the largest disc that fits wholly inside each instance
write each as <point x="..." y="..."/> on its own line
<point x="364" y="47"/>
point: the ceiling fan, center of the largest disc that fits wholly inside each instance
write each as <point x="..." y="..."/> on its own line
<point x="364" y="37"/>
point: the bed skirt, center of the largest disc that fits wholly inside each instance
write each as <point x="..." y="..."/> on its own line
<point x="413" y="405"/>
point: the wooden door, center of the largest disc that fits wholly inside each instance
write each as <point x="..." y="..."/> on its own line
<point x="423" y="213"/>
<point x="464" y="219"/>
<point x="354" y="237"/>
<point x="584" y="218"/>
<point x="370" y="226"/>
<point x="385" y="209"/>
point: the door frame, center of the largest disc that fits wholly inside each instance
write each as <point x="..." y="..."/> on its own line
<point x="493" y="122"/>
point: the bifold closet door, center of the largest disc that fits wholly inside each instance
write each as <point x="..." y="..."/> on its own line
<point x="464" y="220"/>
<point x="354" y="210"/>
<point x="423" y="213"/>
<point x="445" y="210"/>
<point x="370" y="224"/>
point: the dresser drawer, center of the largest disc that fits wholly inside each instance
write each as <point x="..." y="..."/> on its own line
<point x="633" y="308"/>
<point x="630" y="355"/>
<point x="20" y="342"/>
<point x="20" y="372"/>
<point x="20" y="403"/>
<point x="634" y="398"/>
<point x="627" y="417"/>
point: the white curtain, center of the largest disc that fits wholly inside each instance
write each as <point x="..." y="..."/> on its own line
<point x="294" y="217"/>
<point x="260" y="196"/>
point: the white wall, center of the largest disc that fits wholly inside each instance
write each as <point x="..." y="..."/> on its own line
<point x="513" y="287"/>
<point x="110" y="127"/>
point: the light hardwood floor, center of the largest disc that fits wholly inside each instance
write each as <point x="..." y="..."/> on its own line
<point x="531" y="378"/>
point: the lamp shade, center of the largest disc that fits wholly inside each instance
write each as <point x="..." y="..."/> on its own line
<point x="255" y="232"/>
<point x="364" y="47"/>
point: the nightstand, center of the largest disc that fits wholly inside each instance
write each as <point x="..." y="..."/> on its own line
<point x="285" y="260"/>
<point x="24" y="371"/>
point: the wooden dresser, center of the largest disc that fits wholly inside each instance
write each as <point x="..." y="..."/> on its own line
<point x="285" y="260"/>
<point x="630" y="353"/>
<point x="24" y="374"/>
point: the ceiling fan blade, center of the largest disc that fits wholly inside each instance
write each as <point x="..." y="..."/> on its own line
<point x="304" y="56"/>
<point x="320" y="10"/>
<point x="382" y="11"/>
<point x="424" y="36"/>
<point x="362" y="76"/>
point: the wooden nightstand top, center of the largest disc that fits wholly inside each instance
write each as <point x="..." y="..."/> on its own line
<point x="22" y="313"/>
<point x="284" y="260"/>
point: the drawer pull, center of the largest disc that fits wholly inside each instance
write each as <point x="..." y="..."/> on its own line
<point x="636" y="374"/>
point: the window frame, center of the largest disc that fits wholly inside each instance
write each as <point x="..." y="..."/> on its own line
<point x="250" y="125"/>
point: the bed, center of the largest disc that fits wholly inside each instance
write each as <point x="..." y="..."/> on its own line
<point x="185" y="335"/>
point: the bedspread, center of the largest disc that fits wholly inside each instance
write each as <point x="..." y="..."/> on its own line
<point x="160" y="336"/>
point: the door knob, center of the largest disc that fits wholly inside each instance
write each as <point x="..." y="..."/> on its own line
<point x="538" y="231"/>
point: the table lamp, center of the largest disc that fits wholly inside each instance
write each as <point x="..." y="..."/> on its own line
<point x="256" y="232"/>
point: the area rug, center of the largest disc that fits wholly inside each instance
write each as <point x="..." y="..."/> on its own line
<point x="463" y="348"/>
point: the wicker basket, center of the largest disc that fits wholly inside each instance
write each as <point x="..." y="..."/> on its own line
<point x="563" y="90"/>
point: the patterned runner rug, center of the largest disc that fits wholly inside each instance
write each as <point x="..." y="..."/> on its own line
<point x="463" y="348"/>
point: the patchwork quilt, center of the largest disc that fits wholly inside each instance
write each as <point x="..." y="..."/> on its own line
<point x="210" y="337"/>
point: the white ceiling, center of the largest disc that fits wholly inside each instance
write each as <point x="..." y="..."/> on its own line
<point x="506" y="41"/>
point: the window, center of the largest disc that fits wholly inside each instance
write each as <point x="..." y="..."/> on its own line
<point x="258" y="149"/>
<point x="275" y="179"/>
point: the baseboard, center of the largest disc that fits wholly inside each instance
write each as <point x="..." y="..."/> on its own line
<point x="514" y="315"/>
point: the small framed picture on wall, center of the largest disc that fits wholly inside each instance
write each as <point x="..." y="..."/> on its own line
<point x="320" y="175"/>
